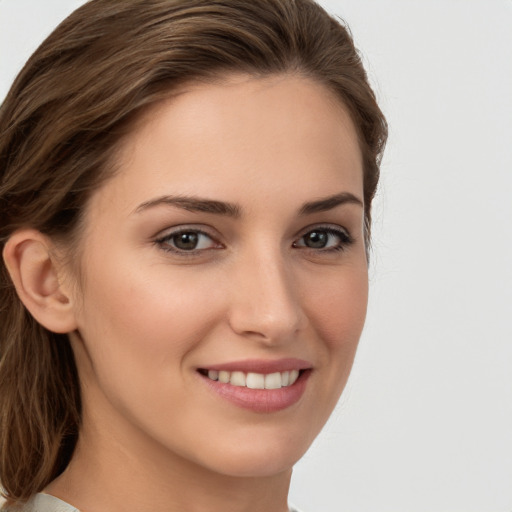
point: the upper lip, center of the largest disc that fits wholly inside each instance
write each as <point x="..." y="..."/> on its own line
<point x="261" y="365"/>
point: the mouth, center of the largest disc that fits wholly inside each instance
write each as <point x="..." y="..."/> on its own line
<point x="252" y="380"/>
<point x="262" y="387"/>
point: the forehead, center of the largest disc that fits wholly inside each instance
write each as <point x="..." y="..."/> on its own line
<point x="241" y="134"/>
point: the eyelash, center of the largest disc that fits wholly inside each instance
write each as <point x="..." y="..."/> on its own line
<point x="164" y="242"/>
<point x="344" y="237"/>
<point x="345" y="240"/>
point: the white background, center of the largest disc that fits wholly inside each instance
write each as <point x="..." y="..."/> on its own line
<point x="425" y="423"/>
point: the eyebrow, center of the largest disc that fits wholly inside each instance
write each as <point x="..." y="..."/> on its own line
<point x="197" y="204"/>
<point x="193" y="204"/>
<point x="328" y="203"/>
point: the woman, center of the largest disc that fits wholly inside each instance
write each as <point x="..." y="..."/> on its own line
<point x="185" y="196"/>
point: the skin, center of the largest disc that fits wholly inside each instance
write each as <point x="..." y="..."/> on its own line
<point x="147" y="318"/>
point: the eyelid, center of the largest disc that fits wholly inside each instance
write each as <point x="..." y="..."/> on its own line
<point x="326" y="226"/>
<point x="161" y="240"/>
<point x="346" y="239"/>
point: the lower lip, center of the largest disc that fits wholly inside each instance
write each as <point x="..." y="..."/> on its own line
<point x="261" y="400"/>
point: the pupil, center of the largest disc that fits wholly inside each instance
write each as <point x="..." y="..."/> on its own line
<point x="186" y="241"/>
<point x="317" y="239"/>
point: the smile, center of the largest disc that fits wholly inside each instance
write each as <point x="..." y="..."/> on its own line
<point x="259" y="386"/>
<point x="276" y="380"/>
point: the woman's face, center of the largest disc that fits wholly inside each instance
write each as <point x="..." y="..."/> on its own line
<point x="226" y="255"/>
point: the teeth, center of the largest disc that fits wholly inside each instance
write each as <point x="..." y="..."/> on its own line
<point x="224" y="377"/>
<point x="273" y="381"/>
<point x="255" y="380"/>
<point x="237" y="379"/>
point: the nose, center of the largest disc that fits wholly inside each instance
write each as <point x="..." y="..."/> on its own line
<point x="265" y="303"/>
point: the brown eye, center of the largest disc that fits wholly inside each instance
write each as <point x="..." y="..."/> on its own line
<point x="316" y="239"/>
<point x="186" y="241"/>
<point x="325" y="239"/>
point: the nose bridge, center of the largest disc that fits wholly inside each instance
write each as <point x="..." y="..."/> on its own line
<point x="265" y="302"/>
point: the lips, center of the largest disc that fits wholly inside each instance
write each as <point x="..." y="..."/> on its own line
<point x="258" y="385"/>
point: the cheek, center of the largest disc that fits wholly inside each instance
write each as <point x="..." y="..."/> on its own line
<point x="339" y="308"/>
<point x="337" y="312"/>
<point x="141" y="291"/>
<point x="139" y="324"/>
<point x="137" y="317"/>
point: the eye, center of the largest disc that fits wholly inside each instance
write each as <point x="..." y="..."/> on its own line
<point x="187" y="240"/>
<point x="325" y="239"/>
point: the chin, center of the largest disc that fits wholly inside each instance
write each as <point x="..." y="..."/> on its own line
<point x="257" y="455"/>
<point x="255" y="466"/>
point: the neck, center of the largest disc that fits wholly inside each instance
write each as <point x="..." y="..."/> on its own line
<point x="112" y="468"/>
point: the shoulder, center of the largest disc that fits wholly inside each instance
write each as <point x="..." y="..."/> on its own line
<point x="42" y="503"/>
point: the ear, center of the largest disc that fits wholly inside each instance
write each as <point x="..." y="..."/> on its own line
<point x="35" y="273"/>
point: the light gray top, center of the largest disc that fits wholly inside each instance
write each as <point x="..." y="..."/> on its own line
<point x="43" y="503"/>
<point x="46" y="503"/>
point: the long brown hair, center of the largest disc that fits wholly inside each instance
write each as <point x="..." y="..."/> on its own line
<point x="60" y="124"/>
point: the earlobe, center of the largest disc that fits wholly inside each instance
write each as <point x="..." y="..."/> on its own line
<point x="35" y="274"/>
